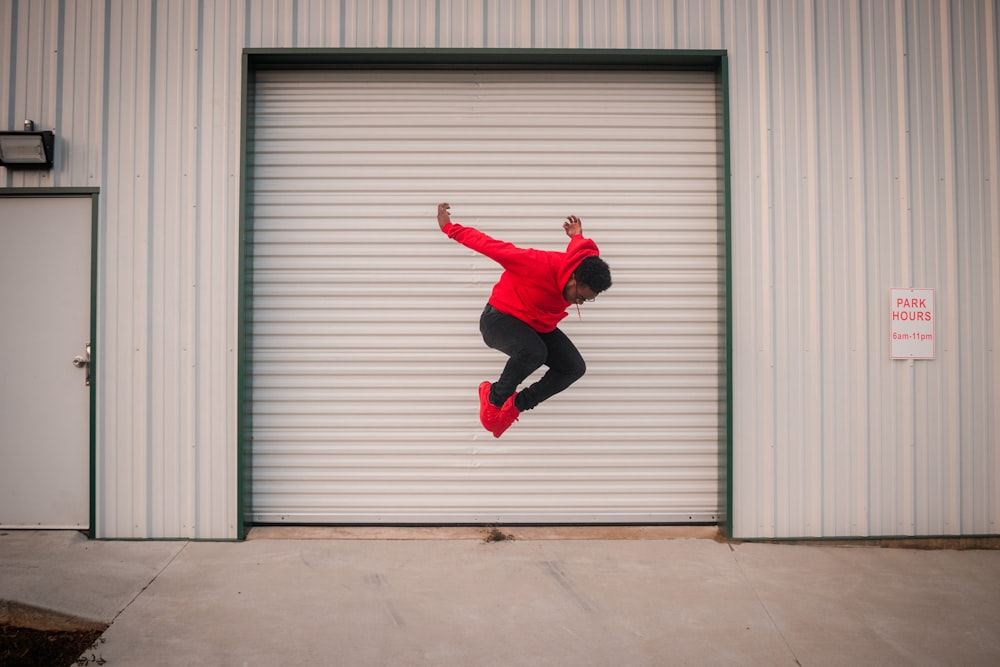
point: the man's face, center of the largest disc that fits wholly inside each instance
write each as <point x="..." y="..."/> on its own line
<point x="577" y="292"/>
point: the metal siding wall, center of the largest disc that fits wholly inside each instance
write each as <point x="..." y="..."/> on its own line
<point x="937" y="485"/>
<point x="365" y="348"/>
<point x="872" y="171"/>
<point x="900" y="165"/>
<point x="145" y="100"/>
<point x="977" y="191"/>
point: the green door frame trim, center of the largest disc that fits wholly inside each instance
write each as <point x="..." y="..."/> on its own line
<point x="254" y="60"/>
<point x="93" y="194"/>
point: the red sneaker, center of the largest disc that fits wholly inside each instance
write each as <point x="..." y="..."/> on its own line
<point x="488" y="413"/>
<point x="508" y="415"/>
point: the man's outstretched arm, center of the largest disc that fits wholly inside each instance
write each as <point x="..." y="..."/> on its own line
<point x="503" y="253"/>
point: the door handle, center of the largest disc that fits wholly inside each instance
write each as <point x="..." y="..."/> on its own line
<point x="84" y="362"/>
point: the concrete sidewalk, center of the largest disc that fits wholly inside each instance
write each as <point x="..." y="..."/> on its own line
<point x="453" y="599"/>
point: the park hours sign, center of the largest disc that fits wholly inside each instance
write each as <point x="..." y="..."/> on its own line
<point x="911" y="323"/>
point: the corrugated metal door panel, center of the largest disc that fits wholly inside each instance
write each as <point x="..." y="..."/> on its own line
<point x="365" y="347"/>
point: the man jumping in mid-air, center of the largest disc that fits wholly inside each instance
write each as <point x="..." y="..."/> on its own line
<point x="520" y="318"/>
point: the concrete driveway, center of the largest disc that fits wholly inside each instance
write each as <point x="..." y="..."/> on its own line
<point x="549" y="597"/>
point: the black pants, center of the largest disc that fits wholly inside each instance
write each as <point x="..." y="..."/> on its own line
<point x="529" y="350"/>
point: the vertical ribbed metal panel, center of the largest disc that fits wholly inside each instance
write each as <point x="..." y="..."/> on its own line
<point x="173" y="151"/>
<point x="124" y="433"/>
<point x="864" y="156"/>
<point x="366" y="353"/>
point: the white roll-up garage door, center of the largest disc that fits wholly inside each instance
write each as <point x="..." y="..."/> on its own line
<point x="365" y="353"/>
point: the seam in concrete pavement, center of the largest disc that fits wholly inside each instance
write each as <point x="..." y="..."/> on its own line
<point x="150" y="582"/>
<point x="763" y="605"/>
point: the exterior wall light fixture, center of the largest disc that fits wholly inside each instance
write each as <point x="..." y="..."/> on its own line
<point x="28" y="149"/>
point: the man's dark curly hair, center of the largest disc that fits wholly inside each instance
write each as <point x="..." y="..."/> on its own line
<point x="595" y="273"/>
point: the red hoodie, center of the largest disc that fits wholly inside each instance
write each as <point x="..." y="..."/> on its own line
<point x="531" y="286"/>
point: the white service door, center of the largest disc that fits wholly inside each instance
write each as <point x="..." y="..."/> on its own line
<point x="45" y="295"/>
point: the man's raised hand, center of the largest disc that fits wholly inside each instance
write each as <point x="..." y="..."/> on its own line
<point x="443" y="216"/>
<point x="573" y="226"/>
